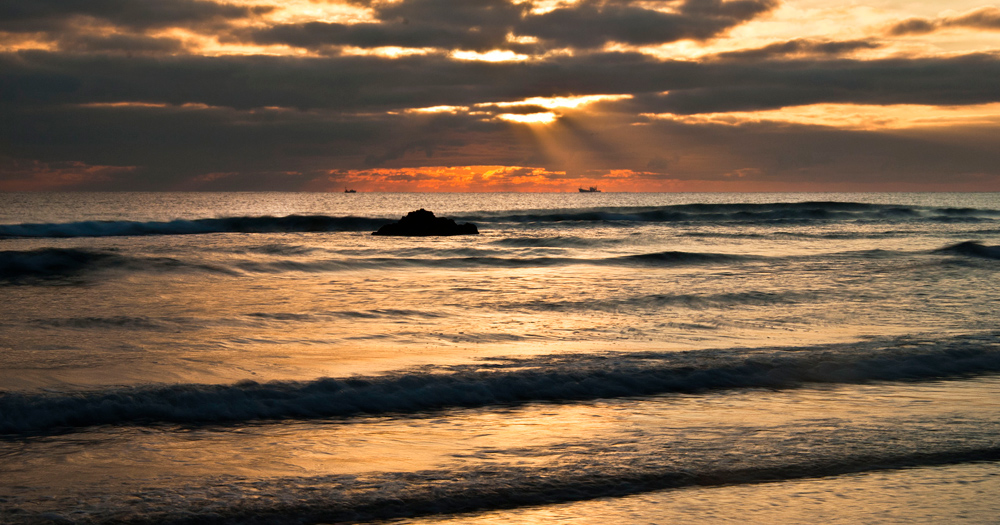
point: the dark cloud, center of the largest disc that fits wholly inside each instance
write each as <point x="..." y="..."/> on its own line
<point x="470" y="24"/>
<point x="593" y="23"/>
<point x="799" y="47"/>
<point x="224" y="149"/>
<point x="365" y="84"/>
<point x="658" y="163"/>
<point x="60" y="108"/>
<point x="47" y="15"/>
<point x="970" y="79"/>
<point x="119" y="43"/>
<point x="468" y="13"/>
<point x="172" y="145"/>
<point x="518" y="109"/>
<point x="97" y="26"/>
<point x="341" y="122"/>
<point x="350" y="83"/>
<point x="732" y="9"/>
<point x="477" y="16"/>
<point x="787" y="153"/>
<point x="485" y="24"/>
<point x="368" y="35"/>
<point x="986" y="18"/>
<point x="913" y="26"/>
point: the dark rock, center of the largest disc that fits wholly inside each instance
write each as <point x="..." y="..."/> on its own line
<point x="423" y="223"/>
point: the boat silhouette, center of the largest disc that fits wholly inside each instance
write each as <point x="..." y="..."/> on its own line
<point x="592" y="189"/>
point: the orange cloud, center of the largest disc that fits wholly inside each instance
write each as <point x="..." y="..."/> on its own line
<point x="984" y="19"/>
<point x="868" y="117"/>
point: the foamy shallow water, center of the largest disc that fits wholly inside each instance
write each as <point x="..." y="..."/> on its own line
<point x="964" y="493"/>
<point x="644" y="358"/>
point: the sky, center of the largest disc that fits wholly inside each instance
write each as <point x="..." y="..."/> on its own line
<point x="499" y="95"/>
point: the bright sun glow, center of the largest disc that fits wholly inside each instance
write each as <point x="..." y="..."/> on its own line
<point x="533" y="118"/>
<point x="562" y="102"/>
<point x="386" y="51"/>
<point x="490" y="56"/>
<point x="439" y="109"/>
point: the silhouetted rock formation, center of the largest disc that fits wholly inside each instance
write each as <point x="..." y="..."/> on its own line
<point x="423" y="223"/>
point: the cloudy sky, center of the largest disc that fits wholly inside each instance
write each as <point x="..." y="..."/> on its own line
<point x="500" y="95"/>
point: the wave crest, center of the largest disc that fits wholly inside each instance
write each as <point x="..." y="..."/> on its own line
<point x="766" y="213"/>
<point x="509" y="382"/>
<point x="972" y="249"/>
<point x="61" y="264"/>
<point x="51" y="263"/>
<point x="265" y="224"/>
<point x="746" y="213"/>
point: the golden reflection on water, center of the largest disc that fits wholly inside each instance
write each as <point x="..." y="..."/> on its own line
<point x="738" y="429"/>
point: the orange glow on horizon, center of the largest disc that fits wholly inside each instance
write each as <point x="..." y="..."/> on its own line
<point x="483" y="178"/>
<point x="519" y="179"/>
<point x="495" y="178"/>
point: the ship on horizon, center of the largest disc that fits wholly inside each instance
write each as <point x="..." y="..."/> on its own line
<point x="592" y="189"/>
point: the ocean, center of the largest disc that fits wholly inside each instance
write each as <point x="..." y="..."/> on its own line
<point x="642" y="358"/>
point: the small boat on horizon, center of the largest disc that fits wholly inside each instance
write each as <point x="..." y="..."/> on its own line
<point x="592" y="189"/>
<point x="350" y="191"/>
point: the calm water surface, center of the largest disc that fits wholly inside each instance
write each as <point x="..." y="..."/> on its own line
<point x="644" y="358"/>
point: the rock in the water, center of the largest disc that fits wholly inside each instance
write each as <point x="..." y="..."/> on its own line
<point x="423" y="223"/>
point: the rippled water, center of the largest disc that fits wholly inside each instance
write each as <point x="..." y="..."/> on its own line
<point x="636" y="357"/>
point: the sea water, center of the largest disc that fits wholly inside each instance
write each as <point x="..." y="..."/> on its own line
<point x="643" y="358"/>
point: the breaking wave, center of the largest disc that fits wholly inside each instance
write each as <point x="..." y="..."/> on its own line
<point x="669" y="258"/>
<point x="747" y="213"/>
<point x="56" y="264"/>
<point x="506" y="382"/>
<point x="278" y="249"/>
<point x="391" y="496"/>
<point x="48" y="263"/>
<point x="674" y="257"/>
<point x="266" y="224"/>
<point x="972" y="249"/>
<point x="379" y="313"/>
<point x="115" y="322"/>
<point x="693" y="301"/>
<point x="387" y="496"/>
<point x="553" y="242"/>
